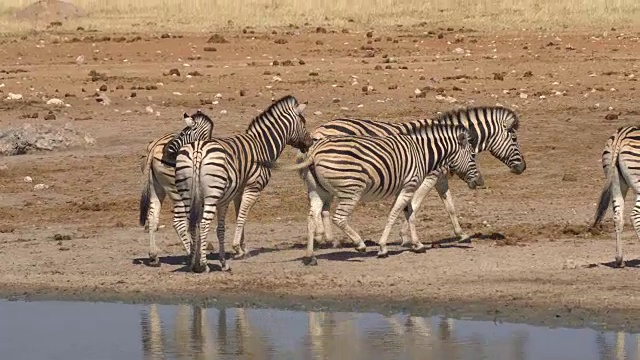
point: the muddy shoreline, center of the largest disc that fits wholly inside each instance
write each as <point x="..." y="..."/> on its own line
<point x="542" y="314"/>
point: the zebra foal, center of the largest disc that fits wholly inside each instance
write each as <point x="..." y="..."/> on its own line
<point x="493" y="127"/>
<point x="160" y="175"/>
<point x="211" y="174"/>
<point x="621" y="165"/>
<point x="363" y="168"/>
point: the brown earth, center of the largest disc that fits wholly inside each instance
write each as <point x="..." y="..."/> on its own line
<point x="533" y="258"/>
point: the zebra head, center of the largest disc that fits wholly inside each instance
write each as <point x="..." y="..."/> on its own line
<point x="503" y="144"/>
<point x="284" y="119"/>
<point x="199" y="127"/>
<point x="463" y="158"/>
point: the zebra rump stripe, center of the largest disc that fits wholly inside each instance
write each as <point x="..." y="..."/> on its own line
<point x="621" y="166"/>
<point x="160" y="177"/>
<point x="494" y="127"/>
<point x="210" y="174"/>
<point x="365" y="168"/>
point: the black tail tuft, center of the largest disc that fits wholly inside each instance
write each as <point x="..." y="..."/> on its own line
<point x="603" y="203"/>
<point x="145" y="203"/>
<point x="197" y="205"/>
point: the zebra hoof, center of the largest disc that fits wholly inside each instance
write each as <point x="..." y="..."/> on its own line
<point x="200" y="268"/>
<point x="383" y="254"/>
<point x="619" y="262"/>
<point x="419" y="249"/>
<point x="464" y="238"/>
<point x="239" y="256"/>
<point x="153" y="261"/>
<point x="361" y="248"/>
<point x="225" y="267"/>
<point x="309" y="261"/>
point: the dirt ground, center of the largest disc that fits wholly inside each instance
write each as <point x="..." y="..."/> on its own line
<point x="532" y="259"/>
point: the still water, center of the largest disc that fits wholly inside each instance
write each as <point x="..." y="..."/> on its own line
<point x="82" y="330"/>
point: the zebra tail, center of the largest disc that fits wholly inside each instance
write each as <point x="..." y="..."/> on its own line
<point x="605" y="196"/>
<point x="197" y="200"/>
<point x="145" y="200"/>
<point x="301" y="163"/>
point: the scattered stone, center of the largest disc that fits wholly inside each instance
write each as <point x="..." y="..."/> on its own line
<point x="498" y="76"/>
<point x="29" y="138"/>
<point x="12" y="96"/>
<point x="523" y="96"/>
<point x="319" y="42"/>
<point x="369" y="34"/>
<point x="174" y="72"/>
<point x="317" y="113"/>
<point x="611" y="116"/>
<point x="55" y="101"/>
<point x="209" y="49"/>
<point x="120" y="87"/>
<point x="40" y="187"/>
<point x="217" y="39"/>
<point x="28" y="179"/>
<point x="243" y="92"/>
<point x="321" y="30"/>
<point x="393" y="87"/>
<point x="527" y="74"/>
<point x="287" y="63"/>
<point x="50" y="116"/>
<point x="149" y="110"/>
<point x="194" y="73"/>
<point x="103" y="87"/>
<point x="165" y="36"/>
<point x="151" y="87"/>
<point x="133" y="94"/>
<point x="80" y="60"/>
<point x="569" y="177"/>
<point x="313" y="73"/>
<point x="367" y="89"/>
<point x="336" y="100"/>
<point x="103" y="99"/>
<point x="281" y="41"/>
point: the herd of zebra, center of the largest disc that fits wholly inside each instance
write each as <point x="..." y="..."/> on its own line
<point x="351" y="160"/>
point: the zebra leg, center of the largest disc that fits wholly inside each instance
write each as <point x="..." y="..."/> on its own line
<point x="408" y="232"/>
<point x="237" y="202"/>
<point x="156" y="197"/>
<point x="222" y="214"/>
<point x="442" y="187"/>
<point x="402" y="201"/>
<point x="346" y="204"/>
<point x="618" y="191"/>
<point x="315" y="226"/>
<point x="180" y="225"/>
<point x="249" y="197"/>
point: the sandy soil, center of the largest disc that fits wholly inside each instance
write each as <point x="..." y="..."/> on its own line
<point x="532" y="260"/>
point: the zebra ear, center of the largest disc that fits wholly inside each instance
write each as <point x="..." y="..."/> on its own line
<point x="511" y="123"/>
<point x="300" y="108"/>
<point x="188" y="119"/>
<point x="463" y="138"/>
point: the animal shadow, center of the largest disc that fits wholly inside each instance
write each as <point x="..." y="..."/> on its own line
<point x="635" y="263"/>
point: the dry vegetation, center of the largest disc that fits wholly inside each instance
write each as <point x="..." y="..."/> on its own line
<point x="203" y="15"/>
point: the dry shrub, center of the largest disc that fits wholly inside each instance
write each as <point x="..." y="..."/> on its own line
<point x="198" y="15"/>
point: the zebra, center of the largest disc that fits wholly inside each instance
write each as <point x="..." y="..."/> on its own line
<point x="160" y="167"/>
<point x="364" y="168"/>
<point x="210" y="174"/>
<point x="494" y="127"/>
<point x="620" y="159"/>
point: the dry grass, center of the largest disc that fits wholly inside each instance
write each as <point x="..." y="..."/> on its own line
<point x="207" y="15"/>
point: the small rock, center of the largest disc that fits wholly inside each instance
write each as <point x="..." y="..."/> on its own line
<point x="40" y="186"/>
<point x="313" y="73"/>
<point x="281" y="41"/>
<point x="523" y="96"/>
<point x="317" y="113"/>
<point x="393" y="87"/>
<point x="243" y="92"/>
<point x="194" y="73"/>
<point x="28" y="179"/>
<point x="458" y="51"/>
<point x="12" y="96"/>
<point x="217" y="39"/>
<point x="569" y="177"/>
<point x="80" y="60"/>
<point x="174" y="72"/>
<point x="335" y="100"/>
<point x="570" y="264"/>
<point x="498" y="76"/>
<point x="103" y="99"/>
<point x="417" y="91"/>
<point x="319" y="42"/>
<point x="369" y="34"/>
<point x="50" y="116"/>
<point x="103" y="87"/>
<point x="611" y="116"/>
<point x="527" y="74"/>
<point x="149" y="109"/>
<point x="133" y="94"/>
<point x="55" y="101"/>
<point x="209" y="49"/>
<point x="177" y="93"/>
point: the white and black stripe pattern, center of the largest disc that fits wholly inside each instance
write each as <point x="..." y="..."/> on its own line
<point x="494" y="127"/>
<point x="365" y="168"/>
<point x="621" y="165"/>
<point x="160" y="179"/>
<point x="211" y="174"/>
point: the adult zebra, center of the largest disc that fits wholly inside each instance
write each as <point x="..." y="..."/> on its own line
<point x="160" y="180"/>
<point x="494" y="127"/>
<point x="620" y="159"/>
<point x="210" y="174"/>
<point x="364" y="168"/>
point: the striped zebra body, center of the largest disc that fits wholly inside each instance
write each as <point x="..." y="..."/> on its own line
<point x="159" y="181"/>
<point x="621" y="165"/>
<point x="210" y="174"/>
<point x="364" y="168"/>
<point x="493" y="127"/>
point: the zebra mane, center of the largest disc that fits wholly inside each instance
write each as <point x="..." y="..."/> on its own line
<point x="457" y="114"/>
<point x="287" y="101"/>
<point x="199" y="116"/>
